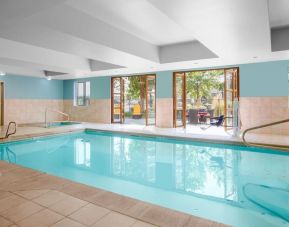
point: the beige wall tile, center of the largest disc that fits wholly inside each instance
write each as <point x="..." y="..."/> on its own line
<point x="256" y="111"/>
<point x="164" y="113"/>
<point x="31" y="110"/>
<point x="98" y="111"/>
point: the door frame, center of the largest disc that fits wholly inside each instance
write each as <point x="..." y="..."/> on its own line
<point x="184" y="98"/>
<point x="236" y="92"/>
<point x="123" y="98"/>
<point x="2" y="99"/>
<point x="155" y="85"/>
<point x="121" y="116"/>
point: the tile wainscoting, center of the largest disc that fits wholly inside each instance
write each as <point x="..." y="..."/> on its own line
<point x="164" y="113"/>
<point x="31" y="110"/>
<point x="97" y="112"/>
<point x="255" y="111"/>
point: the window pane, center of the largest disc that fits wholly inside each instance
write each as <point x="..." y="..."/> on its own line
<point x="80" y="89"/>
<point x="87" y="89"/>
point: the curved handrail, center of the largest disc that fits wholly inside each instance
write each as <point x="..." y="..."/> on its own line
<point x="7" y="131"/>
<point x="281" y="147"/>
<point x="56" y="111"/>
<point x="252" y="200"/>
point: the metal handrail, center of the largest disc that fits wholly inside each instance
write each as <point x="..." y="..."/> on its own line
<point x="281" y="147"/>
<point x="7" y="134"/>
<point x="56" y="111"/>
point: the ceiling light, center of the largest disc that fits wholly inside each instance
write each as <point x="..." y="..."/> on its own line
<point x="2" y="73"/>
<point x="48" y="77"/>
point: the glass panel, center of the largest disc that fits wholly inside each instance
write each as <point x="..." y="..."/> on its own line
<point x="79" y="93"/>
<point x="87" y="92"/>
<point x="229" y="100"/>
<point x="204" y="96"/>
<point x="229" y="80"/>
<point x="135" y="99"/>
<point x="116" y="85"/>
<point x="229" y="118"/>
<point x="179" y="99"/>
<point x="116" y="108"/>
<point x="151" y="112"/>
<point x="179" y="117"/>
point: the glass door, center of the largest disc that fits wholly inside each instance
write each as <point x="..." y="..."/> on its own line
<point x="117" y="100"/>
<point x="231" y="93"/>
<point x="179" y="84"/>
<point x="150" y="100"/>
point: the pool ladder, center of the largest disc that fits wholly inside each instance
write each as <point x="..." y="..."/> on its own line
<point x="280" y="147"/>
<point x="8" y="133"/>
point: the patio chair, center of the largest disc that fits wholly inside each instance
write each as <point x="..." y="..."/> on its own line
<point x="136" y="112"/>
<point x="215" y="121"/>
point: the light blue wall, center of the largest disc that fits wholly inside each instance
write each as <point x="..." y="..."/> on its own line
<point x="24" y="87"/>
<point x="99" y="87"/>
<point x="264" y="79"/>
<point x="256" y="80"/>
<point x="164" y="84"/>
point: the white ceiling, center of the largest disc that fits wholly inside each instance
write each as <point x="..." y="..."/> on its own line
<point x="279" y="13"/>
<point x="113" y="37"/>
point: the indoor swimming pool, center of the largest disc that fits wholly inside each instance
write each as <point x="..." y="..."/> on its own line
<point x="231" y="184"/>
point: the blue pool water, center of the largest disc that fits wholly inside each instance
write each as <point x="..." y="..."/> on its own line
<point x="240" y="186"/>
<point x="62" y="123"/>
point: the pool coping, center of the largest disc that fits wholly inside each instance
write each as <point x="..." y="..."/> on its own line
<point x="69" y="129"/>
<point x="128" y="133"/>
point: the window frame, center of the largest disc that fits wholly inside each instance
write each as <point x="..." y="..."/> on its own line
<point x="86" y="97"/>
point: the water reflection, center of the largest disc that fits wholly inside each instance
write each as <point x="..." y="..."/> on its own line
<point x="186" y="168"/>
<point x="82" y="154"/>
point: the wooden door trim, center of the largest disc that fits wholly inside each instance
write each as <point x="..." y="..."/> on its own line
<point x="2" y="103"/>
<point x="175" y="100"/>
<point x="146" y="94"/>
<point x="122" y="97"/>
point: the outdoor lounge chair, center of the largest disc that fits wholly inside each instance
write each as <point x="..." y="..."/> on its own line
<point x="215" y="121"/>
<point x="136" y="112"/>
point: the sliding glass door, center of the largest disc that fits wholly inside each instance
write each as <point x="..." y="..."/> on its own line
<point x="231" y="93"/>
<point x="150" y="100"/>
<point x="133" y="100"/>
<point x="117" y="99"/>
<point x="179" y="90"/>
<point x="201" y="95"/>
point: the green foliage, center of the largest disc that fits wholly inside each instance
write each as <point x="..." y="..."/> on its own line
<point x="200" y="83"/>
<point x="136" y="87"/>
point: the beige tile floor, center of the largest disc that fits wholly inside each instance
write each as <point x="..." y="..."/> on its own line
<point x="30" y="198"/>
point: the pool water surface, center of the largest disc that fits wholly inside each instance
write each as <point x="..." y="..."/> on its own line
<point x="235" y="185"/>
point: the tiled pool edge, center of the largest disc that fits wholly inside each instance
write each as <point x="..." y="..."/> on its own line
<point x="65" y="130"/>
<point x="126" y="132"/>
<point x="29" y="180"/>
